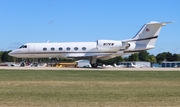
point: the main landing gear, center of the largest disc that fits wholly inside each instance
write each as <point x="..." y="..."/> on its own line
<point x="93" y="62"/>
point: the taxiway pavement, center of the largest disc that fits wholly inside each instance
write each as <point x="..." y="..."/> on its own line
<point x="112" y="69"/>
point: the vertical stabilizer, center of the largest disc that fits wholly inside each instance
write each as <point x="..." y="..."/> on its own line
<point x="145" y="39"/>
<point x="149" y="33"/>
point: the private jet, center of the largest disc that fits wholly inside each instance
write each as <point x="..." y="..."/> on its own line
<point x="137" y="66"/>
<point x="145" y="39"/>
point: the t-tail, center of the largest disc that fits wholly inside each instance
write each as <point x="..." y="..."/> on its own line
<point x="146" y="38"/>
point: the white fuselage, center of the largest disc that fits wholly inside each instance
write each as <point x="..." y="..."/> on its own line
<point x="59" y="50"/>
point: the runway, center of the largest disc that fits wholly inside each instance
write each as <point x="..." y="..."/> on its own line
<point x="103" y="69"/>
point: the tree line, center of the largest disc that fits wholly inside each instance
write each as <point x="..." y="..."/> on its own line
<point x="145" y="56"/>
<point x="141" y="56"/>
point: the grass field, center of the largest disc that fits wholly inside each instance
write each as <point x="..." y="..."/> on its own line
<point x="27" y="88"/>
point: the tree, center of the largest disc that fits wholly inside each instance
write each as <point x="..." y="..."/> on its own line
<point x="175" y="57"/>
<point x="152" y="59"/>
<point x="126" y="58"/>
<point x="111" y="61"/>
<point x="118" y="59"/>
<point x="1" y="56"/>
<point x="166" y="56"/>
<point x="178" y="57"/>
<point x="143" y="56"/>
<point x="133" y="57"/>
<point x="161" y="57"/>
<point x="6" y="58"/>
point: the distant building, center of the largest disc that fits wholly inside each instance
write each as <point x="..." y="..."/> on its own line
<point x="140" y="63"/>
<point x="169" y="64"/>
<point x="156" y="65"/>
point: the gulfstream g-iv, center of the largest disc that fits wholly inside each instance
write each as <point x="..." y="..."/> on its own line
<point x="145" y="39"/>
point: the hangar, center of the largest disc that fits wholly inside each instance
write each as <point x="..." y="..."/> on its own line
<point x="170" y="64"/>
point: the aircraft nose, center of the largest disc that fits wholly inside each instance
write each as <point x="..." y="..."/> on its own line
<point x="10" y="53"/>
<point x="13" y="53"/>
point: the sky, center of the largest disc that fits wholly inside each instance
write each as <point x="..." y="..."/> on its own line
<point x="28" y="21"/>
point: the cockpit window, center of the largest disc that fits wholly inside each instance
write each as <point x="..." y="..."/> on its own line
<point x="23" y="46"/>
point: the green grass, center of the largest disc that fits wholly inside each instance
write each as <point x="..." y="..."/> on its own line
<point x="89" y="88"/>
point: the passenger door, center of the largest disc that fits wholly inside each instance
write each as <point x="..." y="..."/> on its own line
<point x="31" y="49"/>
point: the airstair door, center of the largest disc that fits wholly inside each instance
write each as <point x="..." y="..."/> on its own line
<point x="31" y="49"/>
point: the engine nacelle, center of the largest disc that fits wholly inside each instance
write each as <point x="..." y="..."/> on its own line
<point x="110" y="45"/>
<point x="131" y="46"/>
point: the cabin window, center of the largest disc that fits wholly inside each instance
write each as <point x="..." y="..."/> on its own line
<point x="76" y="48"/>
<point x="83" y="48"/>
<point x="44" y="49"/>
<point x="68" y="48"/>
<point x="60" y="49"/>
<point x="52" y="49"/>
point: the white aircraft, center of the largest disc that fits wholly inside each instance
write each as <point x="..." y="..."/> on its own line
<point x="101" y="49"/>
<point x="107" y="66"/>
<point x="137" y="66"/>
<point x="119" y="66"/>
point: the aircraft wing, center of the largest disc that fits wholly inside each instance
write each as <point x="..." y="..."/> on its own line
<point x="81" y="55"/>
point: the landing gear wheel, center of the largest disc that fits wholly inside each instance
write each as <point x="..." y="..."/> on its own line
<point x="93" y="62"/>
<point x="94" y="65"/>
